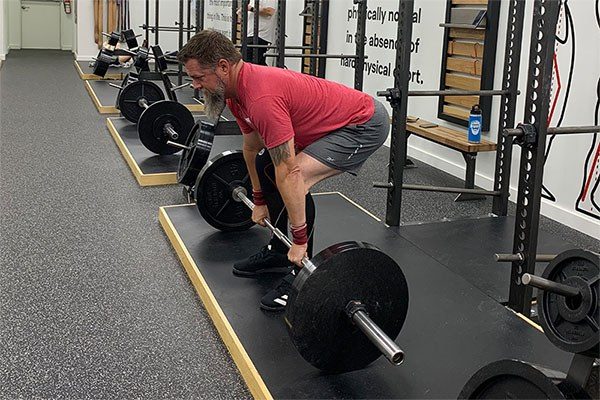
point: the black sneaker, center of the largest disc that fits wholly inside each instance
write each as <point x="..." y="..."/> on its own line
<point x="276" y="299"/>
<point x="263" y="262"/>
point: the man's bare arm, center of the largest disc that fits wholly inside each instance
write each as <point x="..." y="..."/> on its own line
<point x="290" y="181"/>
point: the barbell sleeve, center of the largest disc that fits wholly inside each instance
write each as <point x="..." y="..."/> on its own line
<point x="116" y="86"/>
<point x="360" y="318"/>
<point x="549" y="286"/>
<point x="172" y="132"/>
<point x="387" y="346"/>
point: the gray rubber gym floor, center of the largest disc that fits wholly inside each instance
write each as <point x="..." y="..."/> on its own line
<point x="93" y="301"/>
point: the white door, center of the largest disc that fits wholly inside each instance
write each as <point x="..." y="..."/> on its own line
<point x="40" y="24"/>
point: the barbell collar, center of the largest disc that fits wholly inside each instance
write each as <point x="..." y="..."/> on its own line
<point x="178" y="145"/>
<point x="378" y="337"/>
<point x="549" y="286"/>
<point x="505" y="257"/>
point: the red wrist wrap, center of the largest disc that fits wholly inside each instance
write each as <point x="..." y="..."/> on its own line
<point x="258" y="198"/>
<point x="299" y="234"/>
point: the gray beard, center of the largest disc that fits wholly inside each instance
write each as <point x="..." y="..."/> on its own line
<point x="214" y="104"/>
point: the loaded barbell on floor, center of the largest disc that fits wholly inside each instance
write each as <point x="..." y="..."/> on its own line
<point x="514" y="379"/>
<point x="346" y="304"/>
<point x="163" y="125"/>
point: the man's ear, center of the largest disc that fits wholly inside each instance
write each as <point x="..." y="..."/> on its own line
<point x="223" y="66"/>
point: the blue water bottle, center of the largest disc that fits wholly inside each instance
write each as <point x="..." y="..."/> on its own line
<point x="475" y="123"/>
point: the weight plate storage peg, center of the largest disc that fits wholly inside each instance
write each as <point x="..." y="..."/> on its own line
<point x="136" y="97"/>
<point x="164" y="127"/>
<point x="571" y="322"/>
<point x="513" y="379"/>
<point x="213" y="192"/>
<point x="194" y="157"/>
<point x="318" y="313"/>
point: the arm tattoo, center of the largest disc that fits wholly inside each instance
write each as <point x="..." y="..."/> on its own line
<point x="280" y="153"/>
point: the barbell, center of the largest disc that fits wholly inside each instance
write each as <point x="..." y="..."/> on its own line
<point x="346" y="304"/>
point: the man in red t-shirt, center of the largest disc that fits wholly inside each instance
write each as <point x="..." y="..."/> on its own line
<point x="311" y="129"/>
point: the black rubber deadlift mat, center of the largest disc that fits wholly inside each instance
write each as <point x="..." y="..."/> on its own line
<point x="151" y="169"/>
<point x="87" y="73"/>
<point x="467" y="247"/>
<point x="104" y="96"/>
<point x="451" y="331"/>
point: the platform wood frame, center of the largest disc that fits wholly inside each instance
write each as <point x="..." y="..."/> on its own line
<point x="157" y="179"/>
<point x="91" y="77"/>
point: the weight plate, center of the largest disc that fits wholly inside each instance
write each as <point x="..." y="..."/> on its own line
<point x="213" y="192"/>
<point x="129" y="37"/>
<point x="132" y="94"/>
<point x="572" y="323"/>
<point x="154" y="121"/>
<point x="193" y="160"/>
<point x="102" y="63"/>
<point x="315" y="317"/>
<point x="513" y="379"/>
<point x="159" y="58"/>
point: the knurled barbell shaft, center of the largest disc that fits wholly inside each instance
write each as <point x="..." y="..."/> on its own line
<point x="178" y="145"/>
<point x="505" y="257"/>
<point x="372" y="331"/>
<point x="549" y="286"/>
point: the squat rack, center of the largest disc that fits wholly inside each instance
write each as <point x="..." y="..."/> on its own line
<point x="531" y="136"/>
<point x="398" y="98"/>
<point x="180" y="27"/>
<point x="319" y="11"/>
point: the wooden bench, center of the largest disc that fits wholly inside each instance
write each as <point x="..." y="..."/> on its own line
<point x="453" y="139"/>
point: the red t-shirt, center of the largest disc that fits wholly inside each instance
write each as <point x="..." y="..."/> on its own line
<point x="281" y="104"/>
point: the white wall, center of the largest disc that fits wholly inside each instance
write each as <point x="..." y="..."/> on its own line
<point x="14" y="24"/>
<point x="564" y="170"/>
<point x="168" y="14"/>
<point x="3" y="30"/>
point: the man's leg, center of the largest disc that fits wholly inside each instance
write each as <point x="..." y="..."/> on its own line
<point x="273" y="257"/>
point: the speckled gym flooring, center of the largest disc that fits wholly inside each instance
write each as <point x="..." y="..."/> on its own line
<point x="93" y="301"/>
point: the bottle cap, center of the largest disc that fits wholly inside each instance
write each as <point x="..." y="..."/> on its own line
<point x="476" y="109"/>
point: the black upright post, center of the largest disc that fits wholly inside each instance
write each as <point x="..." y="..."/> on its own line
<point x="510" y="82"/>
<point x="156" y="9"/>
<point x="314" y="37"/>
<point x="244" y="33"/>
<point x="147" y="19"/>
<point x="199" y="15"/>
<point x="399" y="105"/>
<point x="189" y="19"/>
<point x="181" y="24"/>
<point x="234" y="21"/>
<point x="359" y="62"/>
<point x="537" y="105"/>
<point x="323" y="30"/>
<point x="280" y="60"/>
<point x="255" y="30"/>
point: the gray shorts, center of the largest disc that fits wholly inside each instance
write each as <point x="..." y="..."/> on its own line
<point x="349" y="147"/>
